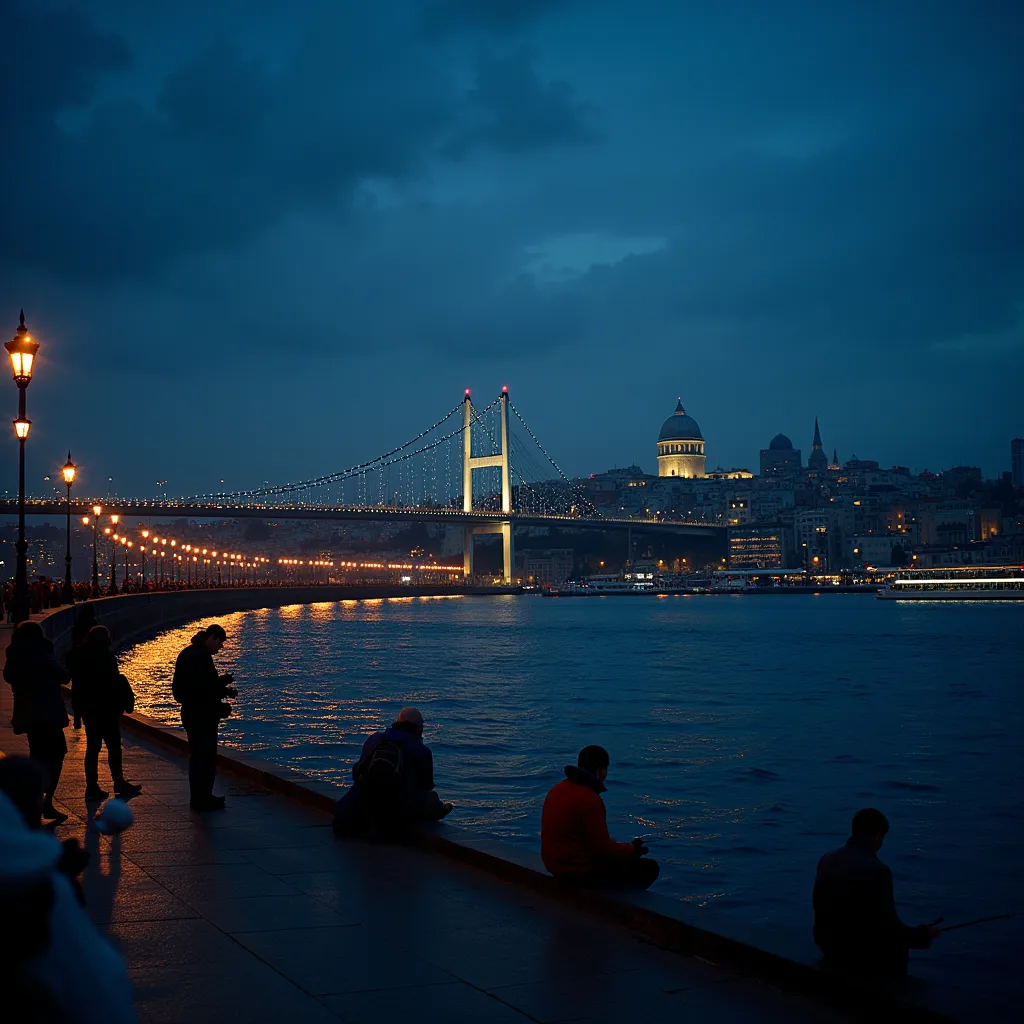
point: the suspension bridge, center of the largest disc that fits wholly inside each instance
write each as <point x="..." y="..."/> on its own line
<point x="482" y="468"/>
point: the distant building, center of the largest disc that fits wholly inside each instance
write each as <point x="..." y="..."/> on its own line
<point x="547" y="565"/>
<point x="1017" y="461"/>
<point x="729" y="474"/>
<point x="680" y="446"/>
<point x="780" y="457"/>
<point x="762" y="546"/>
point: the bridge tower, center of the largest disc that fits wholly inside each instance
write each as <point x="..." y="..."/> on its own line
<point x="471" y="462"/>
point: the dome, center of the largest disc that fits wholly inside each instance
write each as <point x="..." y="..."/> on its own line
<point x="680" y="427"/>
<point x="780" y="443"/>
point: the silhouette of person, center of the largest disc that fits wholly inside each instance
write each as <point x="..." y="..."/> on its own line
<point x="201" y="692"/>
<point x="856" y="925"/>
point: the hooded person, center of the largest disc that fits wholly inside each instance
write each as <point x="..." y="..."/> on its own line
<point x="574" y="841"/>
<point x="36" y="677"/>
<point x="393" y="782"/>
<point x="54" y="963"/>
<point x="201" y="691"/>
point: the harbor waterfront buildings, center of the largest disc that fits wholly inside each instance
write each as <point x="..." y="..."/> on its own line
<point x="824" y="515"/>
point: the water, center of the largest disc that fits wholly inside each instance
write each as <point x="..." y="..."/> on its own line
<point x="744" y="732"/>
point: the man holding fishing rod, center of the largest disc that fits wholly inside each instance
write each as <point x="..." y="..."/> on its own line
<point x="855" y="921"/>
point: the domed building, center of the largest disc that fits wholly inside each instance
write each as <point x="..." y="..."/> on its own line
<point x="680" y="446"/>
<point x="780" y="457"/>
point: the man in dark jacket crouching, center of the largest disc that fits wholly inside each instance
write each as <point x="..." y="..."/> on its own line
<point x="574" y="841"/>
<point x="393" y="782"/>
<point x="200" y="691"/>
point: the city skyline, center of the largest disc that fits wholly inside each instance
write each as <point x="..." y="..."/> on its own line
<point x="265" y="247"/>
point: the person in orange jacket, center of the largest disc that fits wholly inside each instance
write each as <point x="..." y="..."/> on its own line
<point x="574" y="841"/>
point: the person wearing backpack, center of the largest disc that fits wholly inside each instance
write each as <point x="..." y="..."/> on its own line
<point x="393" y="782"/>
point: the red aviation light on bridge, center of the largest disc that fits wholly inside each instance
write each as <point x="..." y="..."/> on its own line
<point x="467" y="392"/>
<point x="504" y="389"/>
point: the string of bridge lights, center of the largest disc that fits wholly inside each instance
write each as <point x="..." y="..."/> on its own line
<point x="343" y="474"/>
<point x="558" y="469"/>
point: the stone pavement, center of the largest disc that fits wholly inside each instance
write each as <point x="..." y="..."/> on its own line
<point x="258" y="914"/>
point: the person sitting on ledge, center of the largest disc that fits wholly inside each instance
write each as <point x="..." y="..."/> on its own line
<point x="393" y="783"/>
<point x="574" y="841"/>
<point x="855" y="921"/>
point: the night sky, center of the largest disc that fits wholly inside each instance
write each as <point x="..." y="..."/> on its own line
<point x="264" y="240"/>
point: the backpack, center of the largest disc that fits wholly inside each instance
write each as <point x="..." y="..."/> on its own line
<point x="381" y="773"/>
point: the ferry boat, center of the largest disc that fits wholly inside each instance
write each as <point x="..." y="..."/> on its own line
<point x="601" y="586"/>
<point x="974" y="583"/>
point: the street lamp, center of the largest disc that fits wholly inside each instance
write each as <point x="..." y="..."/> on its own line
<point x="112" y="589"/>
<point x="96" y="512"/>
<point x="145" y="536"/>
<point x="68" y="470"/>
<point x="21" y="349"/>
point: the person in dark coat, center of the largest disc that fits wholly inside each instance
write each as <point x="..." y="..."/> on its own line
<point x="393" y="782"/>
<point x="36" y="677"/>
<point x="99" y="696"/>
<point x="84" y="621"/>
<point x="574" y="841"/>
<point x="855" y="921"/>
<point x="200" y="691"/>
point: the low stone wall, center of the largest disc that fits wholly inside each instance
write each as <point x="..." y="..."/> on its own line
<point x="693" y="931"/>
<point x="133" y="617"/>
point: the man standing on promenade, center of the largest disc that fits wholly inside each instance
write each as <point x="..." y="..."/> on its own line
<point x="574" y="841"/>
<point x="201" y="691"/>
<point x="855" y="921"/>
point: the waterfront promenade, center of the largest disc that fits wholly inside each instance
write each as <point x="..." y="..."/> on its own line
<point x="258" y="914"/>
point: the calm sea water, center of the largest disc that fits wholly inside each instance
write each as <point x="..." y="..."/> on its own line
<point x="744" y="732"/>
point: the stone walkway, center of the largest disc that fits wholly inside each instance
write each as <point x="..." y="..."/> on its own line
<point x="258" y="914"/>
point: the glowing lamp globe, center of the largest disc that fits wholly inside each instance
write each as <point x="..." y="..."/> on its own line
<point x="22" y="349"/>
<point x="68" y="469"/>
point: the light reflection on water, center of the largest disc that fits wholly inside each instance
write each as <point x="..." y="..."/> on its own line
<point x="743" y="732"/>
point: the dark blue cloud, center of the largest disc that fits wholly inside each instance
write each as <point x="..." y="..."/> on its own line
<point x="779" y="210"/>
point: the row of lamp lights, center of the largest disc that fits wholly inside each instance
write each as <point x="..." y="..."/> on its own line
<point x="172" y="559"/>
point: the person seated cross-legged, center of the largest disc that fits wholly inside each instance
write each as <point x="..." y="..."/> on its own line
<point x="574" y="841"/>
<point x="393" y="783"/>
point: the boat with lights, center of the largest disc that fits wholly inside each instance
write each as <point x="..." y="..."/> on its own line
<point x="970" y="583"/>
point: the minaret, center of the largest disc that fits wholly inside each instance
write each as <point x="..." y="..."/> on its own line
<point x="817" y="460"/>
<point x="835" y="460"/>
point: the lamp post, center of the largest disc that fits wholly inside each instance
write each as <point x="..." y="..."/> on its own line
<point x="126" y="544"/>
<point x="112" y="589"/>
<point x="68" y="470"/>
<point x="21" y="349"/>
<point x="96" y="512"/>
<point x="145" y="536"/>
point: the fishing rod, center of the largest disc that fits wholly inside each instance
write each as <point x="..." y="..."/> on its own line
<point x="977" y="920"/>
